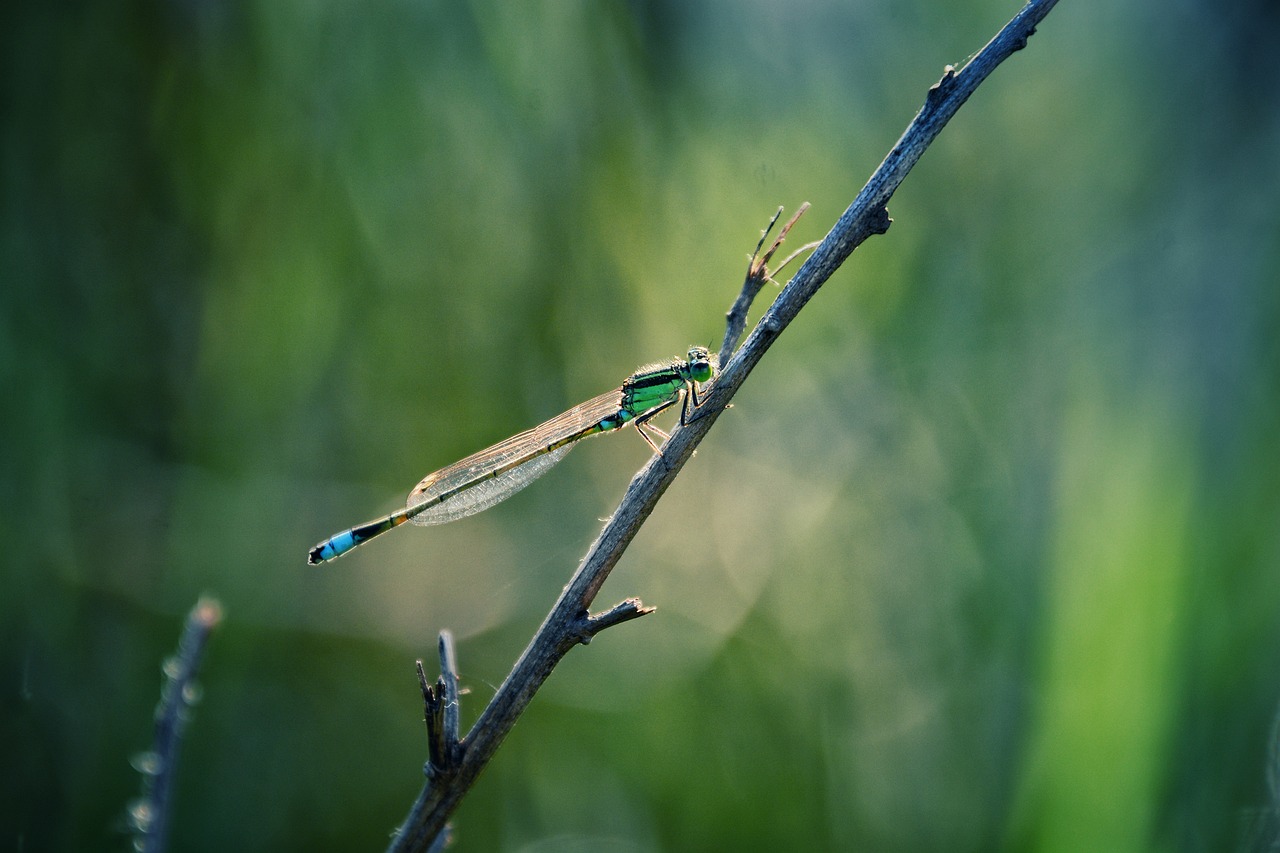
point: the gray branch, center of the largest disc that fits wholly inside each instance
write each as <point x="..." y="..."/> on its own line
<point x="568" y="623"/>
<point x="149" y="814"/>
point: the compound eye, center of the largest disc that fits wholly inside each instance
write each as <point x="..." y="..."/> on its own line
<point x="700" y="369"/>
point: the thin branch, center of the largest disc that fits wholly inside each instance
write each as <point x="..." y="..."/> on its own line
<point x="757" y="274"/>
<point x="149" y="814"/>
<point x="562" y="628"/>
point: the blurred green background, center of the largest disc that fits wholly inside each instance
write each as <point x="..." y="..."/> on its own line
<point x="986" y="556"/>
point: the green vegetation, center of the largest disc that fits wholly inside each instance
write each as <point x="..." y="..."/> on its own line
<point x="986" y="556"/>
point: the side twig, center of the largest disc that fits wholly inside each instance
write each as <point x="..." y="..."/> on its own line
<point x="758" y="273"/>
<point x="442" y="714"/>
<point x="149" y="814"/>
<point x="564" y="626"/>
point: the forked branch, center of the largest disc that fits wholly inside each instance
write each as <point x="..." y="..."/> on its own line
<point x="568" y="623"/>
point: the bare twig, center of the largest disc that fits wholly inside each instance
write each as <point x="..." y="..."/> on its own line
<point x="563" y="627"/>
<point x="758" y="273"/>
<point x="624" y="611"/>
<point x="149" y="814"/>
<point x="442" y="713"/>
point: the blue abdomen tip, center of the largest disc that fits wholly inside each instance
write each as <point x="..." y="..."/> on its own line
<point x="335" y="546"/>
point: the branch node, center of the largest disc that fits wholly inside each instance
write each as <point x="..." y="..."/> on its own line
<point x="1021" y="41"/>
<point x="942" y="88"/>
<point x="880" y="221"/>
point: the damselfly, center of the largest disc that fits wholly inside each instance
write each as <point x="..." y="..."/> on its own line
<point x="495" y="474"/>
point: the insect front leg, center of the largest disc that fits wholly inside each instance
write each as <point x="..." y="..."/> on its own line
<point x="690" y="403"/>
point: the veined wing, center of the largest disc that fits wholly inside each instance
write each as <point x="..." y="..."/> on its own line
<point x="496" y="473"/>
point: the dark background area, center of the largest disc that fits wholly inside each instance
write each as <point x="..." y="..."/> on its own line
<point x="986" y="555"/>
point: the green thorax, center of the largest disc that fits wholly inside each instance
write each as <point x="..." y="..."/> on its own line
<point x="662" y="384"/>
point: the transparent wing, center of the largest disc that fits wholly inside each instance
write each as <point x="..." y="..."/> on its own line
<point x="496" y="473"/>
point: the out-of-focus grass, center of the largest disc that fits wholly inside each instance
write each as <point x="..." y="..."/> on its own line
<point x="985" y="556"/>
<point x="1113" y="632"/>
